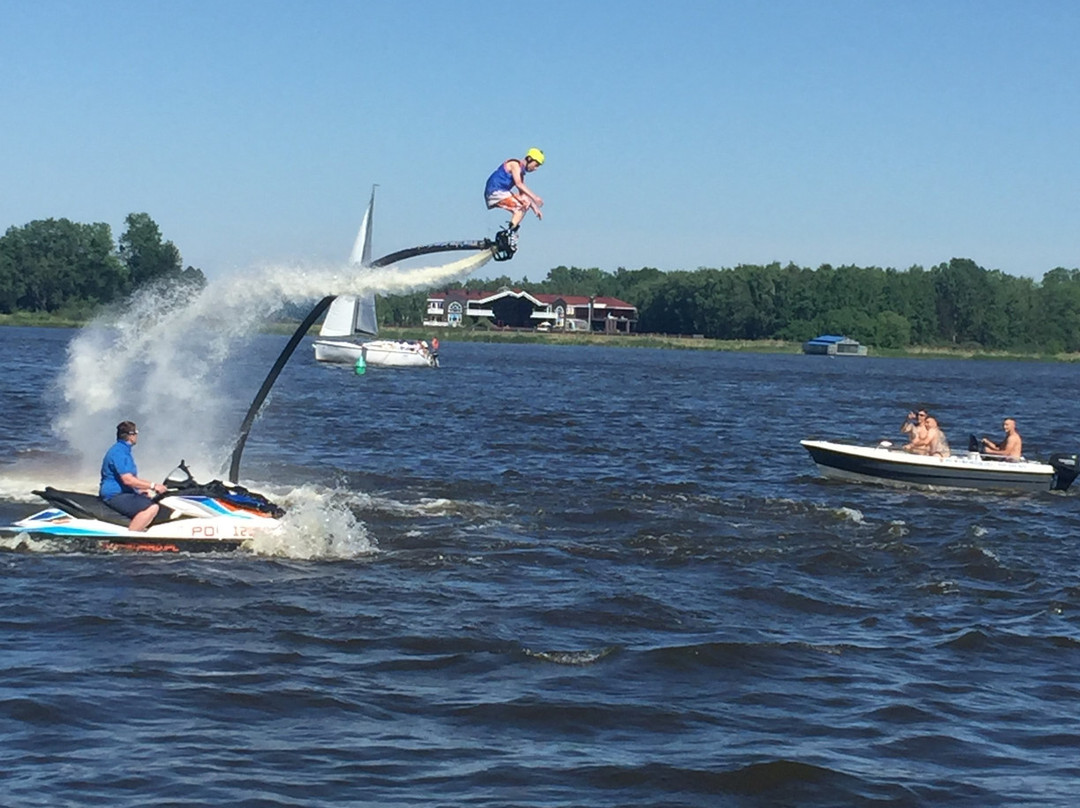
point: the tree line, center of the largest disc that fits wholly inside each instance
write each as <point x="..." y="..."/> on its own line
<point x="55" y="265"/>
<point x="957" y="303"/>
<point x="60" y="266"/>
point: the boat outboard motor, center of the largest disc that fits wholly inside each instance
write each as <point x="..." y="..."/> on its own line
<point x="1066" y="468"/>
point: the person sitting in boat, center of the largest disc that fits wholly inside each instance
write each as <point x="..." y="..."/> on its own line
<point x="915" y="428"/>
<point x="938" y="444"/>
<point x="1011" y="447"/>
<point x="121" y="489"/>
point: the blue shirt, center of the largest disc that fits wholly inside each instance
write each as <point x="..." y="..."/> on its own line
<point x="117" y="461"/>
<point x="501" y="179"/>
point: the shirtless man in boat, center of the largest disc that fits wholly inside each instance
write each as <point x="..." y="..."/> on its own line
<point x="1011" y="447"/>
<point x="937" y="443"/>
<point x="915" y="428"/>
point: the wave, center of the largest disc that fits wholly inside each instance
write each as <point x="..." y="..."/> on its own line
<point x="1001" y="644"/>
<point x="583" y="657"/>
<point x="779" y="782"/>
<point x="784" y="782"/>
<point x="789" y="656"/>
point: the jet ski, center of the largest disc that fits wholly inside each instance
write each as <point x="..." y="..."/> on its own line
<point x="193" y="517"/>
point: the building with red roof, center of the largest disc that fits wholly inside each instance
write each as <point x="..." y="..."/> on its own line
<point x="516" y="308"/>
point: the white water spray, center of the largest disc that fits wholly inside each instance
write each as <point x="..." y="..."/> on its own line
<point x="161" y="358"/>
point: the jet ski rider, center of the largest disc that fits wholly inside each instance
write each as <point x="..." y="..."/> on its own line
<point x="121" y="488"/>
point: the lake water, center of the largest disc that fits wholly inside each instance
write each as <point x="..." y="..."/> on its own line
<point x="552" y="576"/>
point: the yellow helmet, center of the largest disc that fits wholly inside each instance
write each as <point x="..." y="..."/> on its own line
<point x="536" y="155"/>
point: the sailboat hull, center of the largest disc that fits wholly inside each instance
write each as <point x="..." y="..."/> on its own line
<point x="337" y="352"/>
<point x="376" y="353"/>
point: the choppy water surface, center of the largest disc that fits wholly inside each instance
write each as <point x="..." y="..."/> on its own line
<point x="559" y="576"/>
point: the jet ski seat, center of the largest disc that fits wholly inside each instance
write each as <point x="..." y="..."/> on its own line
<point x="90" y="506"/>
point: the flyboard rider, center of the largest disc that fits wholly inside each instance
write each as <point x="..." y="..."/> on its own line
<point x="506" y="189"/>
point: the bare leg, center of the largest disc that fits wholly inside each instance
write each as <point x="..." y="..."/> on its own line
<point x="143" y="518"/>
<point x="519" y="214"/>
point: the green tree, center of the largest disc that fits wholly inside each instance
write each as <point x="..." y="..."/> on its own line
<point x="573" y="281"/>
<point x="664" y="310"/>
<point x="849" y="321"/>
<point x="1057" y="310"/>
<point x="51" y="263"/>
<point x="633" y="284"/>
<point x="145" y="255"/>
<point x="891" y="330"/>
<point x="11" y="280"/>
<point x="795" y="303"/>
<point x="911" y="294"/>
<point x="963" y="297"/>
<point x="1019" y="302"/>
<point x="402" y="310"/>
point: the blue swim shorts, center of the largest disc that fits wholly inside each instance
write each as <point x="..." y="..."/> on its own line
<point x="129" y="504"/>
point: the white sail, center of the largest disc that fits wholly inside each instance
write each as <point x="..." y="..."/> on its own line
<point x="361" y="251"/>
<point x="341" y="317"/>
<point x="348" y="315"/>
<point x="364" y="320"/>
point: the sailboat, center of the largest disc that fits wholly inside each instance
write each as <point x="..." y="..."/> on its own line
<point x="352" y="316"/>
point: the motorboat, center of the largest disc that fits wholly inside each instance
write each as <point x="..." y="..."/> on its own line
<point x="378" y="353"/>
<point x="193" y="517"/>
<point x="892" y="465"/>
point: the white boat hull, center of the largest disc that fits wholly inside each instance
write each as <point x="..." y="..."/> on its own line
<point x="345" y="353"/>
<point x="893" y="466"/>
<point x="376" y="353"/>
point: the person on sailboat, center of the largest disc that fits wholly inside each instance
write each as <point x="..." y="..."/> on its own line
<point x="506" y="189"/>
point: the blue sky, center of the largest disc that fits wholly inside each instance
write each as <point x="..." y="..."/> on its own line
<point x="678" y="135"/>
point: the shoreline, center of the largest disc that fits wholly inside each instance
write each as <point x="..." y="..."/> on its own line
<point x="663" y="341"/>
<point x="697" y="343"/>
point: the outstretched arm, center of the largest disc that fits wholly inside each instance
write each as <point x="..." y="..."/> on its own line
<point x="1011" y="447"/>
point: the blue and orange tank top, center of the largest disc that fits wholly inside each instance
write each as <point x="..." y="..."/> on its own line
<point x="501" y="179"/>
